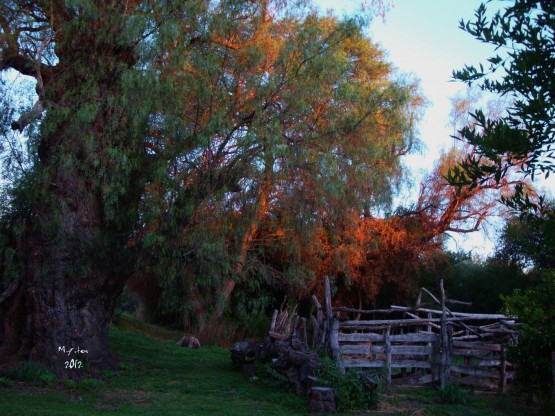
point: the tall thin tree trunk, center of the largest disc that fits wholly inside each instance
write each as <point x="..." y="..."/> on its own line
<point x="261" y="210"/>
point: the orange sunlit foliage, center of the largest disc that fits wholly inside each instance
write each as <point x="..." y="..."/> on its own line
<point x="376" y="260"/>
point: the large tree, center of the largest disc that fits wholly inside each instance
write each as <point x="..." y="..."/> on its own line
<point x="296" y="130"/>
<point x="66" y="228"/>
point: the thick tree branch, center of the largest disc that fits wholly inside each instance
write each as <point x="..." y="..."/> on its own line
<point x="20" y="63"/>
<point x="27" y="118"/>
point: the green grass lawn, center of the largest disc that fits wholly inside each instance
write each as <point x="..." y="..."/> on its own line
<point x="160" y="378"/>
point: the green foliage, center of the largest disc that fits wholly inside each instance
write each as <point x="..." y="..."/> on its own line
<point x="480" y="282"/>
<point x="524" y="136"/>
<point x="5" y="382"/>
<point x="126" y="303"/>
<point x="534" y="309"/>
<point x="529" y="241"/>
<point x="352" y="392"/>
<point x="126" y="366"/>
<point x="268" y="376"/>
<point x="203" y="137"/>
<point x="452" y="394"/>
<point x="31" y="372"/>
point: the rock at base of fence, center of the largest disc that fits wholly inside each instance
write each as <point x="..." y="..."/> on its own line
<point x="322" y="400"/>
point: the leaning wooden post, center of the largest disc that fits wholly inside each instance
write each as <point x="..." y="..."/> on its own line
<point x="445" y="365"/>
<point x="317" y="324"/>
<point x="274" y="319"/>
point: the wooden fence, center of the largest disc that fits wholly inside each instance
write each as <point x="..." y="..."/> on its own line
<point x="420" y="344"/>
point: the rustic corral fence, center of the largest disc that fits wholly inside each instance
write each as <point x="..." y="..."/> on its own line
<point x="426" y="343"/>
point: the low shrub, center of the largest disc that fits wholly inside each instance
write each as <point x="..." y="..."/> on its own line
<point x="534" y="309"/>
<point x="353" y="393"/>
<point x="31" y="372"/>
<point x="451" y="394"/>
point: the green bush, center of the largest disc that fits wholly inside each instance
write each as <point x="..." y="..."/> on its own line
<point x="5" y="382"/>
<point x="353" y="393"/>
<point x="451" y="394"/>
<point x="32" y="372"/>
<point x="534" y="309"/>
<point x="270" y="377"/>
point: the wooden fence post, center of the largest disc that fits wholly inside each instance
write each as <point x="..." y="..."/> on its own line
<point x="334" y="343"/>
<point x="503" y="370"/>
<point x="436" y="358"/>
<point x="444" y="371"/>
<point x="327" y="304"/>
<point x="387" y="342"/>
<point x="553" y="372"/>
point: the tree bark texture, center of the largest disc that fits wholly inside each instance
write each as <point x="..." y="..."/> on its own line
<point x="66" y="297"/>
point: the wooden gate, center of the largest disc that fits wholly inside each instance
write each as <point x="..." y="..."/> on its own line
<point x="420" y="344"/>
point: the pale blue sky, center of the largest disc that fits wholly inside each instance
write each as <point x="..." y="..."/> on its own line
<point x="422" y="38"/>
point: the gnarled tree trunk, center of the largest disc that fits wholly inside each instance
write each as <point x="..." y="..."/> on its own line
<point x="63" y="306"/>
<point x="73" y="260"/>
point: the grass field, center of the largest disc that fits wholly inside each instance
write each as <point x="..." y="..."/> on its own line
<point x="159" y="378"/>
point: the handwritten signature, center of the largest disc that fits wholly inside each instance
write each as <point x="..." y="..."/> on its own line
<point x="73" y="350"/>
<point x="74" y="363"/>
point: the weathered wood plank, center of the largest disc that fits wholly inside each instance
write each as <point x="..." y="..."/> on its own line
<point x="367" y="337"/>
<point x="350" y="363"/>
<point x="362" y="349"/>
<point x="473" y="337"/>
<point x="490" y="363"/>
<point x="410" y="364"/>
<point x="381" y="322"/>
<point x="503" y="371"/>
<point x="327" y="298"/>
<point x="445" y="364"/>
<point x="472" y="371"/>
<point x="363" y="363"/>
<point x="411" y="350"/>
<point x="469" y="316"/>
<point x="471" y="353"/>
<point x="478" y="382"/>
<point x="413" y="380"/>
<point x="365" y="349"/>
<point x="477" y="346"/>
<point x="373" y="337"/>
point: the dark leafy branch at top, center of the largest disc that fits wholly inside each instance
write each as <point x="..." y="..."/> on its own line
<point x="524" y="36"/>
